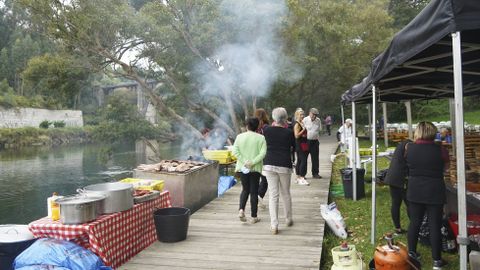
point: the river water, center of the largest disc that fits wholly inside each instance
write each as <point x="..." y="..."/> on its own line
<point x="28" y="176"/>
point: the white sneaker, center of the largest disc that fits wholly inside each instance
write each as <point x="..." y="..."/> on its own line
<point x="241" y="215"/>
<point x="303" y="182"/>
<point x="261" y="204"/>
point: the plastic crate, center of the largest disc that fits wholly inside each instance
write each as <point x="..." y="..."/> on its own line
<point x="473" y="224"/>
<point x="144" y="184"/>
<point x="222" y="156"/>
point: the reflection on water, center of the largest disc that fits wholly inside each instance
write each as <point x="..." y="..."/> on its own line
<point x="29" y="176"/>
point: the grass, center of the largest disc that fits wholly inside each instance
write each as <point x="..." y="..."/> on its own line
<point x="472" y="117"/>
<point x="357" y="215"/>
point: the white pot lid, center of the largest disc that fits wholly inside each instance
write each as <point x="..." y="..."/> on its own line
<point x="12" y="233"/>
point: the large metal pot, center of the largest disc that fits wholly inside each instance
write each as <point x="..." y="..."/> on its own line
<point x="79" y="209"/>
<point x="118" y="196"/>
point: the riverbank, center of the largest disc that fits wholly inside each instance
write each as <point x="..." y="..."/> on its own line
<point x="13" y="138"/>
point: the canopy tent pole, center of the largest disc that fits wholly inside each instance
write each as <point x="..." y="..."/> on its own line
<point x="451" y="103"/>
<point x="408" y="106"/>
<point x="460" y="148"/>
<point x="369" y="121"/>
<point x="385" y="121"/>
<point x="353" y="150"/>
<point x="374" y="165"/>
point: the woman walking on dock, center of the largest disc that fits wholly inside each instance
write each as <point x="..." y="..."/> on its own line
<point x="278" y="166"/>
<point x="250" y="149"/>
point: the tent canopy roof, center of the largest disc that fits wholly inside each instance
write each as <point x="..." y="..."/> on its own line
<point x="418" y="63"/>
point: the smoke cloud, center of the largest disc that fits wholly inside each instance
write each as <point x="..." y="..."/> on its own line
<point x="251" y="62"/>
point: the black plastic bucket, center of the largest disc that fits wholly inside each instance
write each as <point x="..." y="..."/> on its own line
<point x="347" y="179"/>
<point x="171" y="223"/>
<point x="9" y="251"/>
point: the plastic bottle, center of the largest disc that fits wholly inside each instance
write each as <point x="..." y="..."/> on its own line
<point x="52" y="207"/>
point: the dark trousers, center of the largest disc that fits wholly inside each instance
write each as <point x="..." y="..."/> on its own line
<point x="397" y="195"/>
<point x="250" y="183"/>
<point x="313" y="149"/>
<point x="262" y="188"/>
<point x="434" y="214"/>
<point x="328" y="130"/>
<point x="301" y="165"/>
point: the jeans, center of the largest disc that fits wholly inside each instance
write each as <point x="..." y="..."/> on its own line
<point x="250" y="187"/>
<point x="278" y="183"/>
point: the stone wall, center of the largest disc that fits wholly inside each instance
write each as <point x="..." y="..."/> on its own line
<point x="30" y="117"/>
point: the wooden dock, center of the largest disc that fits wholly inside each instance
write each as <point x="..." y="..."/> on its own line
<point x="218" y="240"/>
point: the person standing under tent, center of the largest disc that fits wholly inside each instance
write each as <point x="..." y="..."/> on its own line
<point x="313" y="124"/>
<point x="344" y="134"/>
<point x="396" y="178"/>
<point x="264" y="122"/>
<point x="278" y="167"/>
<point x="426" y="192"/>
<point x="249" y="149"/>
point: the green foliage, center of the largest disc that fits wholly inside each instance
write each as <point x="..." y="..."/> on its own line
<point x="334" y="41"/>
<point x="45" y="124"/>
<point x="59" y="124"/>
<point x="28" y="136"/>
<point x="404" y="11"/>
<point x="58" y="78"/>
<point x="120" y="121"/>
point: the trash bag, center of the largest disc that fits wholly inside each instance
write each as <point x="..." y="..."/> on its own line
<point x="57" y="253"/>
<point x="225" y="183"/>
<point x="334" y="219"/>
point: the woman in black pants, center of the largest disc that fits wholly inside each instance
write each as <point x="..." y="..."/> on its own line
<point x="300" y="133"/>
<point x="426" y="189"/>
<point x="396" y="178"/>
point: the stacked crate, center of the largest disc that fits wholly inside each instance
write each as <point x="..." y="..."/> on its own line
<point x="472" y="163"/>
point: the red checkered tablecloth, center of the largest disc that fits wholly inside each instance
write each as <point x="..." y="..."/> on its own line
<point x="115" y="238"/>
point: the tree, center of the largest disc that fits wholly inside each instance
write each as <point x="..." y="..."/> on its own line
<point x="175" y="43"/>
<point x="403" y="11"/>
<point x="58" y="78"/>
<point x="334" y="41"/>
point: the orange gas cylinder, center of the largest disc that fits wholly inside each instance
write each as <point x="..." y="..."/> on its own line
<point x="391" y="256"/>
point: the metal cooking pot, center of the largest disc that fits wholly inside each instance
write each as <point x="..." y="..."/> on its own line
<point x="79" y="209"/>
<point x="118" y="196"/>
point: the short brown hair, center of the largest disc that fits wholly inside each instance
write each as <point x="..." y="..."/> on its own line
<point x="425" y="131"/>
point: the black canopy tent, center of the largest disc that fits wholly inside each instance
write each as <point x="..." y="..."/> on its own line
<point x="418" y="61"/>
<point x="437" y="55"/>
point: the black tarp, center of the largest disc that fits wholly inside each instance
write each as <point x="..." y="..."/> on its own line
<point x="418" y="62"/>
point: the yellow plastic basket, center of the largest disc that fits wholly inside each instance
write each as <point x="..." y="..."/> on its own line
<point x="222" y="156"/>
<point x="144" y="184"/>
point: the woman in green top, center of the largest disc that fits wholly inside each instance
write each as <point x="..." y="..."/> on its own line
<point x="250" y="149"/>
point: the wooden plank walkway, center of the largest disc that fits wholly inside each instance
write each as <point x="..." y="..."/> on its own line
<point x="218" y="240"/>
